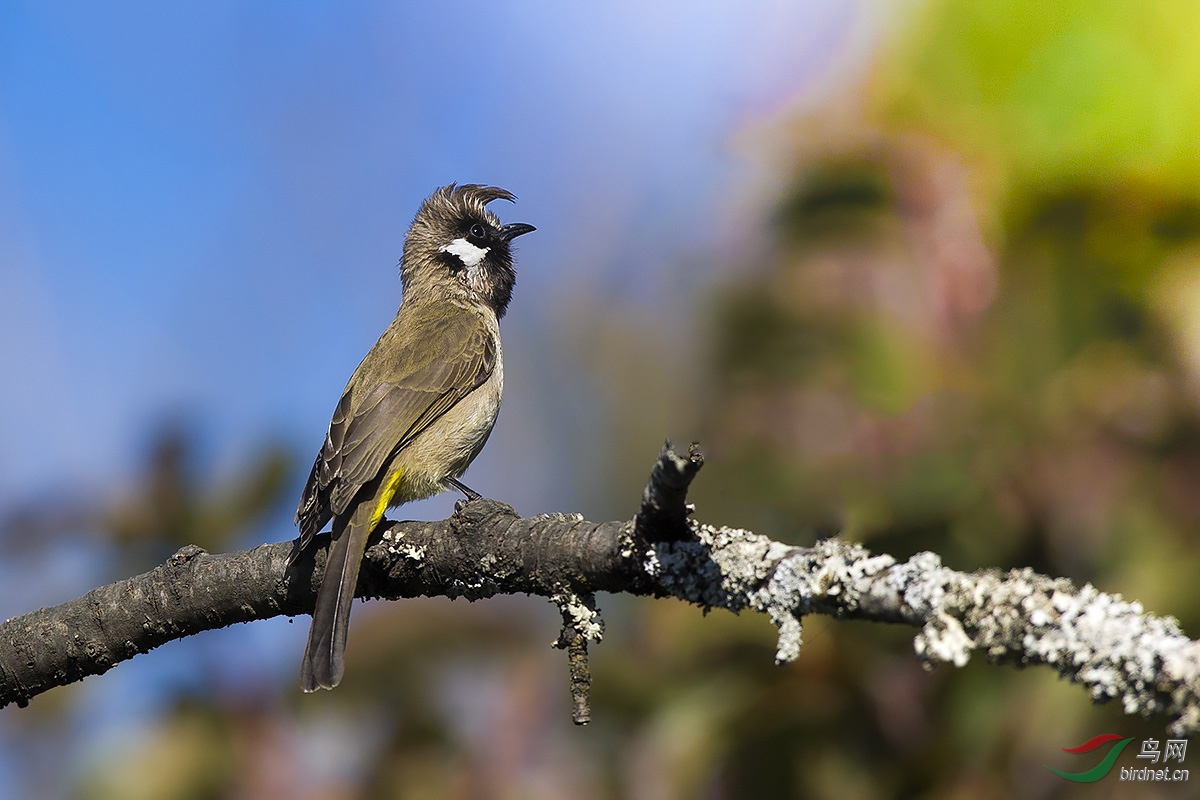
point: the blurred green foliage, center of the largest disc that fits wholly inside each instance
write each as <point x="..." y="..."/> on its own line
<point x="975" y="332"/>
<point x="1049" y="93"/>
<point x="174" y="508"/>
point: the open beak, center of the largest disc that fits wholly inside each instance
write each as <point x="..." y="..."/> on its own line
<point x="510" y="232"/>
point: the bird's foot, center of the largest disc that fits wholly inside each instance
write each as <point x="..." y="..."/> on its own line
<point x="471" y="494"/>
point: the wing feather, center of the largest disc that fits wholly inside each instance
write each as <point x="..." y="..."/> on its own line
<point x="398" y="391"/>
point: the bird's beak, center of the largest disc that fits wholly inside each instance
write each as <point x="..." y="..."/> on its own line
<point x="510" y="232"/>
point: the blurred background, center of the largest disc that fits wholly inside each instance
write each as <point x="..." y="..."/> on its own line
<point x="925" y="273"/>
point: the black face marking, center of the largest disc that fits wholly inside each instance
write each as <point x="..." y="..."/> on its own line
<point x="480" y="234"/>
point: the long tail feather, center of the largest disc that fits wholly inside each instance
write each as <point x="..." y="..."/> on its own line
<point x="324" y="656"/>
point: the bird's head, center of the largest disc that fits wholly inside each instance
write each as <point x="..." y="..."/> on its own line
<point x="457" y="247"/>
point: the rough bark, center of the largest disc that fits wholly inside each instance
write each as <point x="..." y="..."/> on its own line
<point x="1099" y="640"/>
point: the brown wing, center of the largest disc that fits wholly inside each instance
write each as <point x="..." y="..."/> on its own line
<point x="398" y="390"/>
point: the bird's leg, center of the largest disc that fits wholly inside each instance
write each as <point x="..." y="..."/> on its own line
<point x="471" y="494"/>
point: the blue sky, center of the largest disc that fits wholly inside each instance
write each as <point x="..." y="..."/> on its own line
<point x="202" y="206"/>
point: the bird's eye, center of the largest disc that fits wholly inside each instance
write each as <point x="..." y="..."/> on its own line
<point x="477" y="231"/>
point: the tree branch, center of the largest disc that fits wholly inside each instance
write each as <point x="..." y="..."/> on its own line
<point x="1099" y="640"/>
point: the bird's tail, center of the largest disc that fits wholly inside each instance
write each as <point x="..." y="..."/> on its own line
<point x="324" y="660"/>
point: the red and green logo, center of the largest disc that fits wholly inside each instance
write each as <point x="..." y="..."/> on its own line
<point x="1100" y="770"/>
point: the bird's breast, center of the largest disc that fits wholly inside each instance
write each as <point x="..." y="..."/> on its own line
<point x="448" y="446"/>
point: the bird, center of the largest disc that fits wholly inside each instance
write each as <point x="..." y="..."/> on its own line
<point x="420" y="406"/>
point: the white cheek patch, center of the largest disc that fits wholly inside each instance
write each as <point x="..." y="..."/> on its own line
<point x="467" y="253"/>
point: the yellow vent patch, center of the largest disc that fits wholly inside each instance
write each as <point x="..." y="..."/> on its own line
<point x="386" y="493"/>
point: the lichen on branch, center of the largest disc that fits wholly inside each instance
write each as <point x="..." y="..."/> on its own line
<point x="1109" y="645"/>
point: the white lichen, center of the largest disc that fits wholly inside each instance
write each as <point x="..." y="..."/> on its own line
<point x="651" y="564"/>
<point x="396" y="546"/>
<point x="582" y="617"/>
<point x="943" y="641"/>
<point x="1111" y="646"/>
<point x="411" y="552"/>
